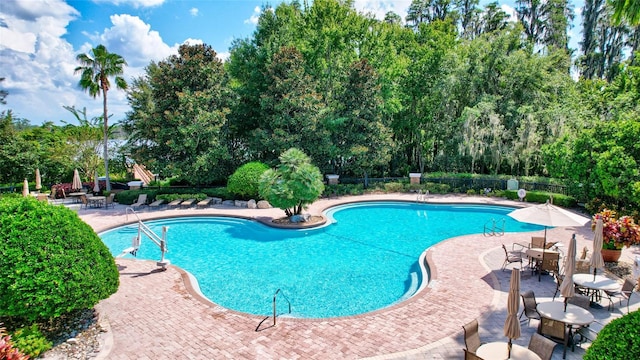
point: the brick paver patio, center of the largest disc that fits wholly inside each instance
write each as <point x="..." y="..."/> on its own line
<point x="159" y="315"/>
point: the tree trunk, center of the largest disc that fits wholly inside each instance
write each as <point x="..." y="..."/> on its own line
<point x="106" y="138"/>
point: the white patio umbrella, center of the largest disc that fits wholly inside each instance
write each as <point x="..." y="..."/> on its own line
<point x="596" y="259"/>
<point x="77" y="183"/>
<point x="512" y="323"/>
<point x="567" y="288"/>
<point x="96" y="185"/>
<point x="548" y="215"/>
<point x="38" y="180"/>
<point x="25" y="188"/>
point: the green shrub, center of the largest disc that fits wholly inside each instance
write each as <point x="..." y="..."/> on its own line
<point x="51" y="261"/>
<point x="542" y="197"/>
<point x="31" y="341"/>
<point x="392" y="187"/>
<point x="620" y="339"/>
<point x="171" y="197"/>
<point x="244" y="181"/>
<point x="434" y="188"/>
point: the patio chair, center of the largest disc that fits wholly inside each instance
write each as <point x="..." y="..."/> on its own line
<point x="529" y="306"/>
<point x="470" y="355"/>
<point x="84" y="201"/>
<point x="624" y="293"/>
<point x="537" y="242"/>
<point x="556" y="331"/>
<point x="580" y="300"/>
<point x="471" y="336"/>
<point x="550" y="263"/>
<point x="542" y="346"/>
<point x="109" y="201"/>
<point x="511" y="257"/>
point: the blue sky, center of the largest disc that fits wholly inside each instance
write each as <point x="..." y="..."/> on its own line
<point x="39" y="40"/>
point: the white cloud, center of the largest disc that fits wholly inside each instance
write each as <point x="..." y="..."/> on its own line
<point x="513" y="14"/>
<point x="194" y="12"/>
<point x="135" y="3"/>
<point x="379" y="8"/>
<point x="38" y="63"/>
<point x="253" y="19"/>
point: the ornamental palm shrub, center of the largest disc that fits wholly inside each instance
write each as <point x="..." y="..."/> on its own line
<point x="620" y="339"/>
<point x="245" y="180"/>
<point x="51" y="262"/>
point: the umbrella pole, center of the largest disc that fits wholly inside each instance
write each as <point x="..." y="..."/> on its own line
<point x="565" y="304"/>
<point x="509" y="349"/>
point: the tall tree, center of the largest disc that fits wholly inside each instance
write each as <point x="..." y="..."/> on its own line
<point x="178" y="123"/>
<point x="363" y="141"/>
<point x="290" y="109"/>
<point x="628" y="10"/>
<point x="95" y="70"/>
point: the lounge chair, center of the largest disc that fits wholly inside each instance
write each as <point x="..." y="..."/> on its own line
<point x="156" y="204"/>
<point x="204" y="203"/>
<point x="187" y="203"/>
<point x="142" y="200"/>
<point x="174" y="203"/>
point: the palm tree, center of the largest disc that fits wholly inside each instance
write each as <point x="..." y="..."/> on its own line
<point x="96" y="69"/>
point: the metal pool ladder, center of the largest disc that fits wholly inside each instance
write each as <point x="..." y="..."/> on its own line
<point x="161" y="242"/>
<point x="492" y="229"/>
<point x="275" y="314"/>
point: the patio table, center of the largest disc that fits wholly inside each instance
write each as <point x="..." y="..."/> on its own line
<point x="498" y="351"/>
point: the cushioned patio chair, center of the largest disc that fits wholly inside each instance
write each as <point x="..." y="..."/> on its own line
<point x="529" y="306"/>
<point x="471" y="336"/>
<point x="542" y="346"/>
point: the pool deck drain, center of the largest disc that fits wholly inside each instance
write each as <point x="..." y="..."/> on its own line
<point x="158" y="315"/>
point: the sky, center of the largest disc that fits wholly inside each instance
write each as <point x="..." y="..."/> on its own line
<point x="40" y="39"/>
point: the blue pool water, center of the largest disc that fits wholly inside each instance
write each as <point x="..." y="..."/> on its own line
<point x="365" y="260"/>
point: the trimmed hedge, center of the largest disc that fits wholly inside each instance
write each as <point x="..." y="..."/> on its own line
<point x="620" y="339"/>
<point x="128" y="197"/>
<point x="542" y="197"/>
<point x="51" y="262"/>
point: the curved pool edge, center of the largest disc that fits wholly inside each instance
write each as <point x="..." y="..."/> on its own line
<point x="409" y="328"/>
<point x="424" y="260"/>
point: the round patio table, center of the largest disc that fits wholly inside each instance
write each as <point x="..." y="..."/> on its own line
<point x="498" y="351"/>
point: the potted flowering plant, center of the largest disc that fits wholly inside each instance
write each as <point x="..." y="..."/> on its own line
<point x="616" y="232"/>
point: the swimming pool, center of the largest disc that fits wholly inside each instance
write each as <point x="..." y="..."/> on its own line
<point x="365" y="259"/>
